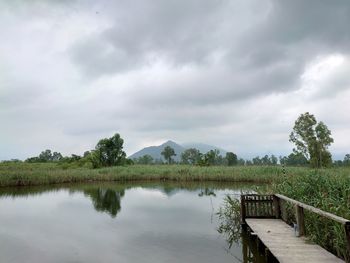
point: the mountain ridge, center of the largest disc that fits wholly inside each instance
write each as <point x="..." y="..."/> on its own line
<point x="155" y="150"/>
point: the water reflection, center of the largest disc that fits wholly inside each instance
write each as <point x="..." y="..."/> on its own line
<point x="230" y="226"/>
<point x="106" y="200"/>
<point x="207" y="192"/>
<point x="118" y="222"/>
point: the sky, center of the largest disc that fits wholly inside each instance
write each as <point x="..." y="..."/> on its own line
<point x="232" y="73"/>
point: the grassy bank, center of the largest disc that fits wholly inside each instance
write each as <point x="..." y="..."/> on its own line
<point x="15" y="174"/>
<point x="39" y="174"/>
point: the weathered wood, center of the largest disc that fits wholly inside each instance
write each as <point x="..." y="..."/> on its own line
<point x="243" y="209"/>
<point x="268" y="255"/>
<point x="314" y="209"/>
<point x="276" y="206"/>
<point x="299" y="212"/>
<point x="257" y="206"/>
<point x="347" y="233"/>
<point x="279" y="238"/>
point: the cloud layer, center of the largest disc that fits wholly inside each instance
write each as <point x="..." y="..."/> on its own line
<point x="231" y="73"/>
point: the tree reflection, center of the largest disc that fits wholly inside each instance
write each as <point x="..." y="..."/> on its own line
<point x="230" y="227"/>
<point x="106" y="200"/>
<point x="206" y="192"/>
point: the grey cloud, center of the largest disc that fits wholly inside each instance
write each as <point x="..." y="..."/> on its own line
<point x="222" y="72"/>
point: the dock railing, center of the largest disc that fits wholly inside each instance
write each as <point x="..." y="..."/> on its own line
<point x="269" y="206"/>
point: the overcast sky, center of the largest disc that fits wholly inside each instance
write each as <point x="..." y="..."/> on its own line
<point x="235" y="74"/>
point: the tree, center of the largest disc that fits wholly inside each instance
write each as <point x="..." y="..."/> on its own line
<point x="312" y="139"/>
<point x="212" y="157"/>
<point x="168" y="152"/>
<point x="190" y="156"/>
<point x="108" y="152"/>
<point x="265" y="160"/>
<point x="145" y="159"/>
<point x="45" y="156"/>
<point x="346" y="161"/>
<point x="257" y="161"/>
<point x="56" y="156"/>
<point x="273" y="160"/>
<point x="231" y="158"/>
<point x="241" y="161"/>
<point x="294" y="159"/>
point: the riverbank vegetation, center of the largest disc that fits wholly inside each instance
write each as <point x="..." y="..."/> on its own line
<point x="326" y="189"/>
<point x="14" y="174"/>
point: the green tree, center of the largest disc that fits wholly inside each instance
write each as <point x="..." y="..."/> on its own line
<point x="241" y="161"/>
<point x="346" y="160"/>
<point x="231" y="159"/>
<point x="257" y="161"/>
<point x="145" y="159"/>
<point x="56" y="156"/>
<point x="312" y="139"/>
<point x="294" y="159"/>
<point x="265" y="160"/>
<point x="168" y="152"/>
<point x="108" y="152"/>
<point x="212" y="157"/>
<point x="45" y="156"/>
<point x="273" y="160"/>
<point x="190" y="156"/>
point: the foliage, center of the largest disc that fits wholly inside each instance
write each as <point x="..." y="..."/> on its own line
<point x="329" y="191"/>
<point x="46" y="156"/>
<point x="231" y="158"/>
<point x="13" y="174"/>
<point x="346" y="160"/>
<point x="145" y="159"/>
<point x="294" y="159"/>
<point x="266" y="160"/>
<point x="190" y="156"/>
<point x="168" y="152"/>
<point x="212" y="157"/>
<point x="108" y="152"/>
<point x="312" y="139"/>
<point x="230" y="220"/>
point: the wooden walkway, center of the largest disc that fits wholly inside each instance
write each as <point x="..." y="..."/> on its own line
<point x="262" y="214"/>
<point x="280" y="239"/>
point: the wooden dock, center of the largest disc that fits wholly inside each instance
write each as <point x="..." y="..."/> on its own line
<point x="262" y="214"/>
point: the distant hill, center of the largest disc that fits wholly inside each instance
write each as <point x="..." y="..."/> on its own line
<point x="155" y="151"/>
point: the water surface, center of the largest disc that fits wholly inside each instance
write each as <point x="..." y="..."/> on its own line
<point x="114" y="222"/>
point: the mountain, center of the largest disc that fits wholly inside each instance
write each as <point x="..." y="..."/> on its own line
<point x="204" y="148"/>
<point x="155" y="151"/>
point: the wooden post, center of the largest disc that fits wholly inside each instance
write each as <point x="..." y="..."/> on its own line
<point x="276" y="205"/>
<point x="347" y="233"/>
<point x="268" y="255"/>
<point x="243" y="212"/>
<point x="300" y="220"/>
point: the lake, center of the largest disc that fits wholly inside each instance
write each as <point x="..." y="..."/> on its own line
<point x="116" y="222"/>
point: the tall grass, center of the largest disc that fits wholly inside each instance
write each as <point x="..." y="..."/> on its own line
<point x="328" y="191"/>
<point x="38" y="174"/>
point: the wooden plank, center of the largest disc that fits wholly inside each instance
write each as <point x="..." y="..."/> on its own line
<point x="281" y="241"/>
<point x="299" y="211"/>
<point x="314" y="209"/>
<point x="276" y="206"/>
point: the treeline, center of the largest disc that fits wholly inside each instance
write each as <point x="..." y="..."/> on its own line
<point x="191" y="156"/>
<point x="107" y="152"/>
